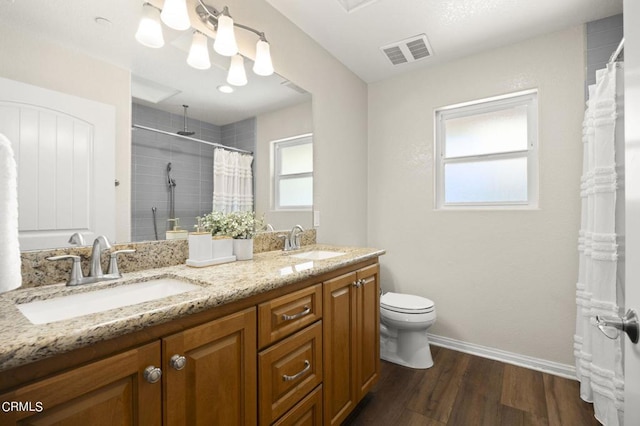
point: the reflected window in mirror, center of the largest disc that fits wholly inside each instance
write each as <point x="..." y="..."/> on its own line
<point x="293" y="173"/>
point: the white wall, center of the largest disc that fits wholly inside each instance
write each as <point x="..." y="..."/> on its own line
<point x="502" y="279"/>
<point x="339" y="120"/>
<point x="42" y="63"/>
<point x="283" y="123"/>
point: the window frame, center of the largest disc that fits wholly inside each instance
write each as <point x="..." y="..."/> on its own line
<point x="276" y="147"/>
<point x="527" y="98"/>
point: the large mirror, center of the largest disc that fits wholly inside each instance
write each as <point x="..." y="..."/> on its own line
<point x="255" y="117"/>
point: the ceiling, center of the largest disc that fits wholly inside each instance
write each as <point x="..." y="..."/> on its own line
<point x="72" y="23"/>
<point x="454" y="28"/>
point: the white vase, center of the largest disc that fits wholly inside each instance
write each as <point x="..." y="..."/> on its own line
<point x="222" y="247"/>
<point x="243" y="248"/>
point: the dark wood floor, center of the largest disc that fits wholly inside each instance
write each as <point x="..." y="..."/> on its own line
<point x="466" y="390"/>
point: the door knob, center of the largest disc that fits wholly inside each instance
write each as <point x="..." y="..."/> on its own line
<point x="628" y="324"/>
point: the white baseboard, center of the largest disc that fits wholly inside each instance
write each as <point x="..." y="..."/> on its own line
<point x="555" y="368"/>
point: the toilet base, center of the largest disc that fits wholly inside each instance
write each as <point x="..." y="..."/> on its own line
<point x="407" y="348"/>
<point x="394" y="358"/>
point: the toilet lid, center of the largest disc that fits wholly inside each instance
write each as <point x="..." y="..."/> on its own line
<point x="406" y="303"/>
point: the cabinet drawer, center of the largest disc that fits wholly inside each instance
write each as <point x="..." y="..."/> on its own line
<point x="307" y="412"/>
<point x="283" y="316"/>
<point x="288" y="371"/>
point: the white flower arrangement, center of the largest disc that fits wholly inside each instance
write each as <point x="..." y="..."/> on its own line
<point x="237" y="225"/>
<point x="216" y="223"/>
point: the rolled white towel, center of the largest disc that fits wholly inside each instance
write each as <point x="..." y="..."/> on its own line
<point x="10" y="274"/>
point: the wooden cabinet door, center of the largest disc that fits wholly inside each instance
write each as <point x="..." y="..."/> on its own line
<point x="217" y="385"/>
<point x="109" y="392"/>
<point x="368" y="330"/>
<point x="339" y="348"/>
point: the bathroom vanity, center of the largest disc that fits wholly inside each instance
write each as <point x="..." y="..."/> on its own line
<point x="276" y="340"/>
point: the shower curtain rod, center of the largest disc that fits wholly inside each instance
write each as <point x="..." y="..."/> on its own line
<point x="615" y="54"/>
<point x="217" y="145"/>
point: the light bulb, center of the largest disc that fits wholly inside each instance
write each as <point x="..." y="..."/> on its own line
<point x="199" y="53"/>
<point x="237" y="75"/>
<point x="149" y="29"/>
<point x="175" y="15"/>
<point x="263" y="65"/>
<point x="225" y="43"/>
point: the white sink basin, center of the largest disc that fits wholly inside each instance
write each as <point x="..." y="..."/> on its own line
<point x="91" y="302"/>
<point x="318" y="254"/>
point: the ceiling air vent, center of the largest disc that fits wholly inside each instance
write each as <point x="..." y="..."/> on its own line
<point x="408" y="50"/>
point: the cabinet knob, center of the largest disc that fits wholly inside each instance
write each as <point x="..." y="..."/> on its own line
<point x="152" y="374"/>
<point x="178" y="361"/>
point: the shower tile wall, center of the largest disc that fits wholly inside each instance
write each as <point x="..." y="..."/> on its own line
<point x="603" y="37"/>
<point x="192" y="168"/>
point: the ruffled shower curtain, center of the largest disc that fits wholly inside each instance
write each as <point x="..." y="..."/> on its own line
<point x="232" y="181"/>
<point x="600" y="288"/>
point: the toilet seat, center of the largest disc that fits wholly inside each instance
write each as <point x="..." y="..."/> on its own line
<point x="406" y="303"/>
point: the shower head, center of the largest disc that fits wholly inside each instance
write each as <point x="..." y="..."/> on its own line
<point x="170" y="181"/>
<point x="185" y="132"/>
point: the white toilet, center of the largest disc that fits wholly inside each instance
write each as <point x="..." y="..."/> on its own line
<point x="404" y="320"/>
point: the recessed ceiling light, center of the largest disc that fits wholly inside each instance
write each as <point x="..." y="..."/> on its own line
<point x="225" y="88"/>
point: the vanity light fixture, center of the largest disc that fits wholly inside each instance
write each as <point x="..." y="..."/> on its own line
<point x="149" y="29"/>
<point x="237" y="75"/>
<point x="175" y="15"/>
<point x="225" y="43"/>
<point x="199" y="53"/>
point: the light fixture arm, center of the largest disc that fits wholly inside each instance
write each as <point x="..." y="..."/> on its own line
<point x="209" y="16"/>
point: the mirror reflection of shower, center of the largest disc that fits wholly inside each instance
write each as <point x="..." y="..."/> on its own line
<point x="171" y="182"/>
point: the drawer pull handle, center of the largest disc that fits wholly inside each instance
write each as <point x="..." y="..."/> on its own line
<point x="306" y="311"/>
<point x="307" y="366"/>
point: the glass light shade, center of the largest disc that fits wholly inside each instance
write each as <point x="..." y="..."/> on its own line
<point x="174" y="14"/>
<point x="263" y="65"/>
<point x="199" y="53"/>
<point x="225" y="43"/>
<point x="237" y="75"/>
<point x="149" y="29"/>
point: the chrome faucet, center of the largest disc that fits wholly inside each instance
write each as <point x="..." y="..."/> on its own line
<point x="99" y="244"/>
<point x="77" y="239"/>
<point x="95" y="274"/>
<point x="294" y="237"/>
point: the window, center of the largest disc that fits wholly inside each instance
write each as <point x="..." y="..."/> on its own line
<point x="486" y="153"/>
<point x="293" y="173"/>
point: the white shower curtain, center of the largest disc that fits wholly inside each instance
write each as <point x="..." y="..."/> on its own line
<point x="600" y="288"/>
<point x="232" y="181"/>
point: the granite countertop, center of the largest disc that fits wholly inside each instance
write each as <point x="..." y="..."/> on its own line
<point x="22" y="342"/>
